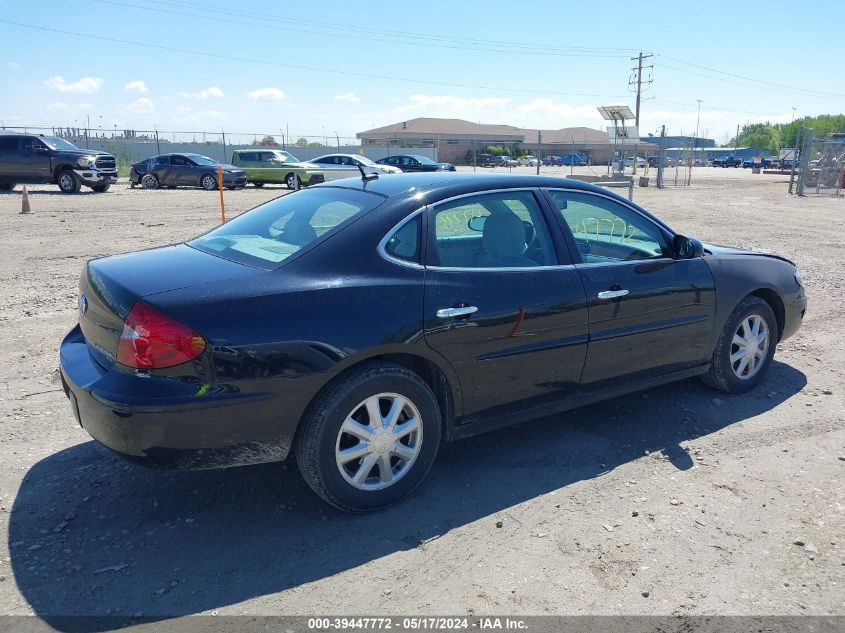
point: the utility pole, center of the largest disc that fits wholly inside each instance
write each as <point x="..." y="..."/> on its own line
<point x="638" y="80"/>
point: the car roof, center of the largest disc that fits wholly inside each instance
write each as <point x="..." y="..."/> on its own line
<point x="455" y="183"/>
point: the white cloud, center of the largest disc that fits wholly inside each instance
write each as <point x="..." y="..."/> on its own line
<point x="141" y="105"/>
<point x="267" y="94"/>
<point x="70" y="107"/>
<point x="212" y="92"/>
<point x="136" y="86"/>
<point x="715" y="124"/>
<point x="12" y="65"/>
<point x="86" y="85"/>
<point x="350" y="97"/>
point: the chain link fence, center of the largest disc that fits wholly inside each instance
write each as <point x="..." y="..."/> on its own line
<point x="819" y="165"/>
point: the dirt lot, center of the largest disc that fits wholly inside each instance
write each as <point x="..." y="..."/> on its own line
<point x="677" y="500"/>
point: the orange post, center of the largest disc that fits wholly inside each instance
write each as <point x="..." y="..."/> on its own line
<point x="220" y="187"/>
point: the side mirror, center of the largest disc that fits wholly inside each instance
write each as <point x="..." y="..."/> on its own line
<point x="687" y="247"/>
<point x="477" y="223"/>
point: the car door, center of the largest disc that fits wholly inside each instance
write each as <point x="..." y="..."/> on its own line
<point x="503" y="302"/>
<point x="183" y="171"/>
<point x="34" y="161"/>
<point x="161" y="169"/>
<point x="650" y="313"/>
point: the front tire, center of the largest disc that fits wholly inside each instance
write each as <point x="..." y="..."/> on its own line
<point x="745" y="348"/>
<point x="370" y="439"/>
<point x="69" y="182"/>
<point x="208" y="182"/>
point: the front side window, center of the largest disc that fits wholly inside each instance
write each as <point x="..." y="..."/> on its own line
<point x="269" y="234"/>
<point x="178" y="160"/>
<point x="606" y="231"/>
<point x="494" y="230"/>
<point x="55" y="142"/>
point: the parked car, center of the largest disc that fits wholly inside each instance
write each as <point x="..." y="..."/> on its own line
<point x="553" y="161"/>
<point x="727" y="161"/>
<point x="507" y="161"/>
<point x="184" y="170"/>
<point x="641" y="162"/>
<point x="487" y="160"/>
<point x="573" y="159"/>
<point x="352" y="162"/>
<point x="415" y="163"/>
<point x="39" y="159"/>
<point x="528" y="160"/>
<point x="357" y="324"/>
<point x="765" y="163"/>
<point x="267" y="166"/>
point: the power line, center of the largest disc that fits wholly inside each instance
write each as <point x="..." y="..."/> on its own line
<point x="763" y="85"/>
<point x="266" y="62"/>
<point x="372" y="35"/>
<point x="426" y="37"/>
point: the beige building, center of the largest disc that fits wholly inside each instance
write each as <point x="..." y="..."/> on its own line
<point x="457" y="140"/>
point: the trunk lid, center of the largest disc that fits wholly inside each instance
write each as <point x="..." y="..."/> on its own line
<point x="110" y="286"/>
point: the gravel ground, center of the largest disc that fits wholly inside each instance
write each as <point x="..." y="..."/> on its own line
<point x="677" y="500"/>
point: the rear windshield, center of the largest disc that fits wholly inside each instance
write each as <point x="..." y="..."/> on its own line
<point x="269" y="234"/>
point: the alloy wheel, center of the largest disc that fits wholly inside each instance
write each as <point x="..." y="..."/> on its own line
<point x="379" y="441"/>
<point x="750" y="346"/>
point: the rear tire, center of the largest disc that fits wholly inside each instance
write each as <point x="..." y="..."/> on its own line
<point x="258" y="184"/>
<point x="149" y="181"/>
<point x="69" y="182"/>
<point x="293" y="182"/>
<point x="736" y="367"/>
<point x="357" y="483"/>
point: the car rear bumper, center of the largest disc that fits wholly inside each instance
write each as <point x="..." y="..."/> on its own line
<point x="169" y="422"/>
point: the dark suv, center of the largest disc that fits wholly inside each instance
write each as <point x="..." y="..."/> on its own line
<point x="33" y="158"/>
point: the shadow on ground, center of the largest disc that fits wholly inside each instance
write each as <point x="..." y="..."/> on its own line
<point x="91" y="535"/>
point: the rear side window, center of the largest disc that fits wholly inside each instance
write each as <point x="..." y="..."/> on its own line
<point x="269" y="234"/>
<point x="405" y="241"/>
<point x="493" y="230"/>
<point x="8" y="143"/>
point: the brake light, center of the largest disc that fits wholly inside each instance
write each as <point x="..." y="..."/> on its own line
<point x="152" y="340"/>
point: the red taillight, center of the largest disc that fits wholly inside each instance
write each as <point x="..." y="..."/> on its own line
<point x="151" y="340"/>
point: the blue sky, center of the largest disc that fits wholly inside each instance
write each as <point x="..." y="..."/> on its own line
<point x="323" y="67"/>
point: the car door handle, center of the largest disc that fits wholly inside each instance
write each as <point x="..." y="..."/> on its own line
<point x="611" y="294"/>
<point x="448" y="313"/>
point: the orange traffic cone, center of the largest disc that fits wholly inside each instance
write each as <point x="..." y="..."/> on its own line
<point x="25" y="208"/>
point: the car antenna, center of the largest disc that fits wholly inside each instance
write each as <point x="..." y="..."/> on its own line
<point x="365" y="176"/>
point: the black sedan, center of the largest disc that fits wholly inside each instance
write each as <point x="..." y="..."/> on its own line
<point x="415" y="163"/>
<point x="184" y="170"/>
<point x="360" y="323"/>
